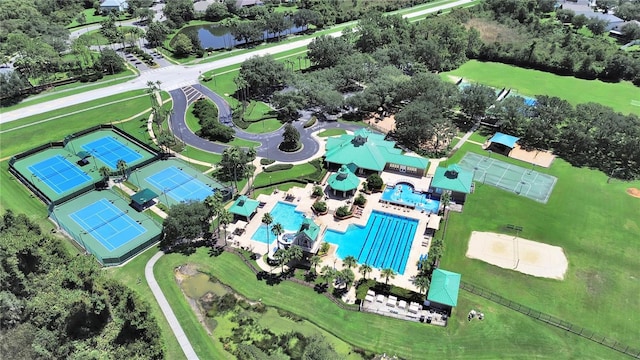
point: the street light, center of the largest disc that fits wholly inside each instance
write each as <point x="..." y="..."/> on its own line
<point x="82" y="241"/>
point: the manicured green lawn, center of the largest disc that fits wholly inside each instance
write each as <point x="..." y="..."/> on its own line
<point x="266" y="178"/>
<point x="331" y="132"/>
<point x="193" y="123"/>
<point x="595" y="223"/>
<point x="503" y="334"/>
<point x="92" y="18"/>
<point x="477" y="137"/>
<point x="197" y="154"/>
<point x="264" y="126"/>
<point x="42" y="130"/>
<point x="620" y="96"/>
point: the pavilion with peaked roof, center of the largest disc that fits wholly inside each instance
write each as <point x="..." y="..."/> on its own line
<point x="343" y="181"/>
<point x="444" y="288"/>
<point x="143" y="199"/>
<point x="307" y="236"/>
<point x="244" y="207"/>
<point x="455" y="179"/>
<point x="502" y="143"/>
<point x="366" y="152"/>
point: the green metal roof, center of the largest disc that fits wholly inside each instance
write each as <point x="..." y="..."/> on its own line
<point x="142" y="196"/>
<point x="310" y="229"/>
<point x="444" y="287"/>
<point x="453" y="178"/>
<point x="84" y="154"/>
<point x="368" y="150"/>
<point x="344" y="180"/>
<point x="244" y="206"/>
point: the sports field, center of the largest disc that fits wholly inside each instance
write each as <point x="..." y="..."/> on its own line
<point x="174" y="181"/>
<point x="105" y="224"/>
<point x="107" y="147"/>
<point x="623" y="96"/>
<point x="510" y="177"/>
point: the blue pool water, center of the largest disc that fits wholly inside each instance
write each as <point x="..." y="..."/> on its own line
<point x="384" y="242"/>
<point x="404" y="194"/>
<point x="286" y="215"/>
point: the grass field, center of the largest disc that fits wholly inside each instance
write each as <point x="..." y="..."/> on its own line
<point x="331" y="132"/>
<point x="268" y="178"/>
<point x="594" y="222"/>
<point x="620" y="96"/>
<point x="503" y="334"/>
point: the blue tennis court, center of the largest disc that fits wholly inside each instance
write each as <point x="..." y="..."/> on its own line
<point x="180" y="185"/>
<point x="59" y="174"/>
<point x="109" y="151"/>
<point x="108" y="224"/>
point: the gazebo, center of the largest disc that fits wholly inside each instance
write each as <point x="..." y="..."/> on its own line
<point x="83" y="155"/>
<point x="244" y="207"/>
<point x="444" y="288"/>
<point x="143" y="199"/>
<point x="344" y="180"/>
<point x="502" y="143"/>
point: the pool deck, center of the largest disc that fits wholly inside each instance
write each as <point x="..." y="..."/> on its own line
<point x="302" y="198"/>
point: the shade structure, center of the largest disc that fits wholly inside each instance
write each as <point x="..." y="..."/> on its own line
<point x="453" y="178"/>
<point x="434" y="222"/>
<point x="504" y="139"/>
<point x="84" y="154"/>
<point x="444" y="287"/>
<point x="344" y="180"/>
<point x="143" y="196"/>
<point x="244" y="206"/>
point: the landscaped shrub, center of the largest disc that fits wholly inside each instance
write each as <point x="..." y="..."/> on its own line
<point x="319" y="207"/>
<point x="324" y="248"/>
<point x="265" y="161"/>
<point x="360" y="200"/>
<point x="317" y="191"/>
<point x="374" y="182"/>
<point x="278" y="167"/>
<point x="310" y="122"/>
<point x="343" y="211"/>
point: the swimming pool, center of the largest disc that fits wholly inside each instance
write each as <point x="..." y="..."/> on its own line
<point x="384" y="242"/>
<point x="286" y="215"/>
<point x="404" y="194"/>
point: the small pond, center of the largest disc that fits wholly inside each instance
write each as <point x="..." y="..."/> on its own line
<point x="219" y="37"/>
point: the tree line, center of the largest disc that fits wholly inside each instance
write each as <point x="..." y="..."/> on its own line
<point x="58" y="306"/>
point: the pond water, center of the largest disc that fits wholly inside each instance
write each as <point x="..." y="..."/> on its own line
<point x="199" y="284"/>
<point x="219" y="37"/>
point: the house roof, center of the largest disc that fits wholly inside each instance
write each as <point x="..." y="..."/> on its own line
<point x="84" y="154"/>
<point x="343" y="180"/>
<point x="310" y="229"/>
<point x="244" y="206"/>
<point x="368" y="150"/>
<point x="504" y="139"/>
<point x="114" y="3"/>
<point x="444" y="287"/>
<point x="453" y="178"/>
<point x="143" y="196"/>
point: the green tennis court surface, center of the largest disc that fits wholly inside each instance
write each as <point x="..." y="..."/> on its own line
<point x="179" y="185"/>
<point x="109" y="225"/>
<point x="59" y="174"/>
<point x="522" y="181"/>
<point x="109" y="150"/>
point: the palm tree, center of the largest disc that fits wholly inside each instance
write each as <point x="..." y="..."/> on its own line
<point x="327" y="273"/>
<point x="421" y="282"/>
<point x="277" y="230"/>
<point x="349" y="261"/>
<point x="225" y="217"/>
<point x="105" y="172"/>
<point x="365" y="269"/>
<point x="387" y="274"/>
<point x="347" y="276"/>
<point x="267" y="219"/>
<point x="121" y="165"/>
<point x="315" y="260"/>
<point x="214" y="205"/>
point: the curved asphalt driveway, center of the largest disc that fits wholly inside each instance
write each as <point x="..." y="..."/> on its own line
<point x="269" y="141"/>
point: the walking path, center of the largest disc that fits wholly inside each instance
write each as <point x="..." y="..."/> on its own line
<point x="166" y="308"/>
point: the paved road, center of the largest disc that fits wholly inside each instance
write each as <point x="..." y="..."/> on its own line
<point x="166" y="309"/>
<point x="175" y="76"/>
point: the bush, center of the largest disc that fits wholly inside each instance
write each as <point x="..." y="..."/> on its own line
<point x="317" y="191"/>
<point x="374" y="182"/>
<point x="343" y="211"/>
<point x="324" y="248"/>
<point x="360" y="200"/>
<point x="319" y="206"/>
<point x="310" y="122"/>
<point x="278" y="167"/>
<point x="265" y="161"/>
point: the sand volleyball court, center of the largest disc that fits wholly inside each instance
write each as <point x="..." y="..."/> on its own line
<point x="515" y="253"/>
